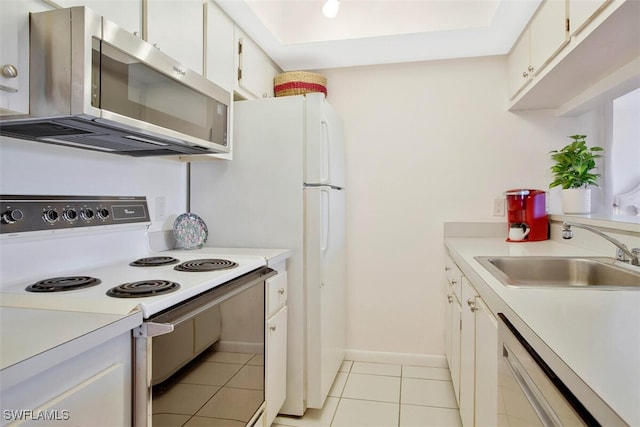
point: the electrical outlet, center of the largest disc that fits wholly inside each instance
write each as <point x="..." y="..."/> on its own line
<point x="160" y="208"/>
<point x="498" y="207"/>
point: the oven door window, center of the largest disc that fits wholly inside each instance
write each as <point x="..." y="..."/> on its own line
<point x="133" y="89"/>
<point x="211" y="367"/>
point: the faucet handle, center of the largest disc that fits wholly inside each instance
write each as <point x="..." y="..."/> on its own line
<point x="621" y="256"/>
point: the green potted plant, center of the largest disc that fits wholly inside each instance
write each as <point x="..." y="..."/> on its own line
<point x="573" y="171"/>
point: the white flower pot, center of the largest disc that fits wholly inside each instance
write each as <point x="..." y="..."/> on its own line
<point x="576" y="200"/>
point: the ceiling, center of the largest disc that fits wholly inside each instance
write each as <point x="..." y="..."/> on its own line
<point x="296" y="34"/>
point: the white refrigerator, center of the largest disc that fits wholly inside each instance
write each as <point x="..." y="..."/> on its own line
<point x="285" y="188"/>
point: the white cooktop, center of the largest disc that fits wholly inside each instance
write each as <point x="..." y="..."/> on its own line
<point x="94" y="299"/>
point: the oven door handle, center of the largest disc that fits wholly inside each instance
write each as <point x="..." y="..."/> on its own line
<point x="151" y="329"/>
<point x="164" y="323"/>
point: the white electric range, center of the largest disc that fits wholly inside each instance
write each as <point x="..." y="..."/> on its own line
<point x="54" y="259"/>
<point x="77" y="254"/>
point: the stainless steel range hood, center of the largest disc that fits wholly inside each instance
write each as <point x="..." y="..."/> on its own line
<point x="95" y="86"/>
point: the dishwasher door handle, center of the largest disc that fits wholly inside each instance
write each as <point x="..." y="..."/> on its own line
<point x="533" y="394"/>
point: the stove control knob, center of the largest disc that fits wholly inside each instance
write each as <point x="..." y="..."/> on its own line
<point x="11" y="216"/>
<point x="86" y="214"/>
<point x="103" y="213"/>
<point x="50" y="216"/>
<point x="70" y="215"/>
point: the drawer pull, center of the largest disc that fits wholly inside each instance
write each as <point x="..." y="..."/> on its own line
<point x="281" y="291"/>
<point x="272" y="328"/>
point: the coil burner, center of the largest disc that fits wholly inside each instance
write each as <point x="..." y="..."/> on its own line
<point x="144" y="288"/>
<point x="61" y="284"/>
<point x="154" y="261"/>
<point x="206" y="265"/>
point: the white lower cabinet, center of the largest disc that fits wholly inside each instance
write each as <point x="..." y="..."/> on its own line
<point x="472" y="351"/>
<point x="90" y="389"/>
<point x="453" y="325"/>
<point x="486" y="366"/>
<point x="467" y="354"/>
<point x="276" y="341"/>
<point x="276" y="367"/>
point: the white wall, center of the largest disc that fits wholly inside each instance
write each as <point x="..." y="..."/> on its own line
<point x="427" y="142"/>
<point x="35" y="168"/>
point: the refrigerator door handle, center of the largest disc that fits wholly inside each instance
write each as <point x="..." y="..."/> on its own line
<point x="324" y="238"/>
<point x="325" y="155"/>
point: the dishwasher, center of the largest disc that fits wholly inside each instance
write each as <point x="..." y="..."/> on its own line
<point x="529" y="392"/>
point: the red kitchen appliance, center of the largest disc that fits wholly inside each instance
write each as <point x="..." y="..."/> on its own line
<point x="526" y="215"/>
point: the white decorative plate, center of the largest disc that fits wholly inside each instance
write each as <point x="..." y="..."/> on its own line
<point x="190" y="231"/>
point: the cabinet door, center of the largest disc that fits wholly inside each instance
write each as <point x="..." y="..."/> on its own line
<point x="519" y="65"/>
<point x="219" y="51"/>
<point x="583" y="11"/>
<point x="250" y="66"/>
<point x="94" y="402"/>
<point x="455" y="325"/>
<point x="467" y="354"/>
<point x="125" y="13"/>
<point x="486" y="403"/>
<point x="255" y="70"/>
<point x="549" y="33"/>
<point x="14" y="54"/>
<point x="176" y="27"/>
<point x="276" y="364"/>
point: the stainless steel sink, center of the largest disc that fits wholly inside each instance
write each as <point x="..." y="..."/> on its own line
<point x="562" y="272"/>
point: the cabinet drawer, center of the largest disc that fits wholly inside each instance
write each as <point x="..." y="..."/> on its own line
<point x="276" y="292"/>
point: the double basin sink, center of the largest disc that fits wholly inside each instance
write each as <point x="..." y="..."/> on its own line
<point x="600" y="273"/>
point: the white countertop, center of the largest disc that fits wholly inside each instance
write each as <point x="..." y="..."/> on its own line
<point x="272" y="256"/>
<point x="595" y="332"/>
<point x="33" y="340"/>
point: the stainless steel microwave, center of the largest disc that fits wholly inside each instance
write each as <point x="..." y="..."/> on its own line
<point x="96" y="86"/>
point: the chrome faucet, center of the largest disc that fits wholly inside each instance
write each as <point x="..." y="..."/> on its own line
<point x="622" y="254"/>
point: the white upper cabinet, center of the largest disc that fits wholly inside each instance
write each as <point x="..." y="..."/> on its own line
<point x="544" y="37"/>
<point x="255" y="70"/>
<point x="519" y="65"/>
<point x="219" y="46"/>
<point x="582" y="11"/>
<point x="588" y="62"/>
<point x="549" y="33"/>
<point x="126" y="13"/>
<point x="176" y="27"/>
<point x="14" y="54"/>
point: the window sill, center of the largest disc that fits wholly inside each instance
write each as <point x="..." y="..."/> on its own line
<point x="613" y="222"/>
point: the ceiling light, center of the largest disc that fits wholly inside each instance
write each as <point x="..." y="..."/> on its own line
<point x="330" y="8"/>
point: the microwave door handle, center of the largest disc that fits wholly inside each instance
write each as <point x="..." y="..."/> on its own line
<point x="539" y="404"/>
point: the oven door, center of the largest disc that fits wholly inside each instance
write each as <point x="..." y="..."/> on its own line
<point x="529" y="393"/>
<point x="204" y="358"/>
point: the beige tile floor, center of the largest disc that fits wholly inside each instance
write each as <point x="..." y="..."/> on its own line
<point x="381" y="395"/>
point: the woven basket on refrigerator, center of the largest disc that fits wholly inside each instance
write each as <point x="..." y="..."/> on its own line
<point x="299" y="83"/>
